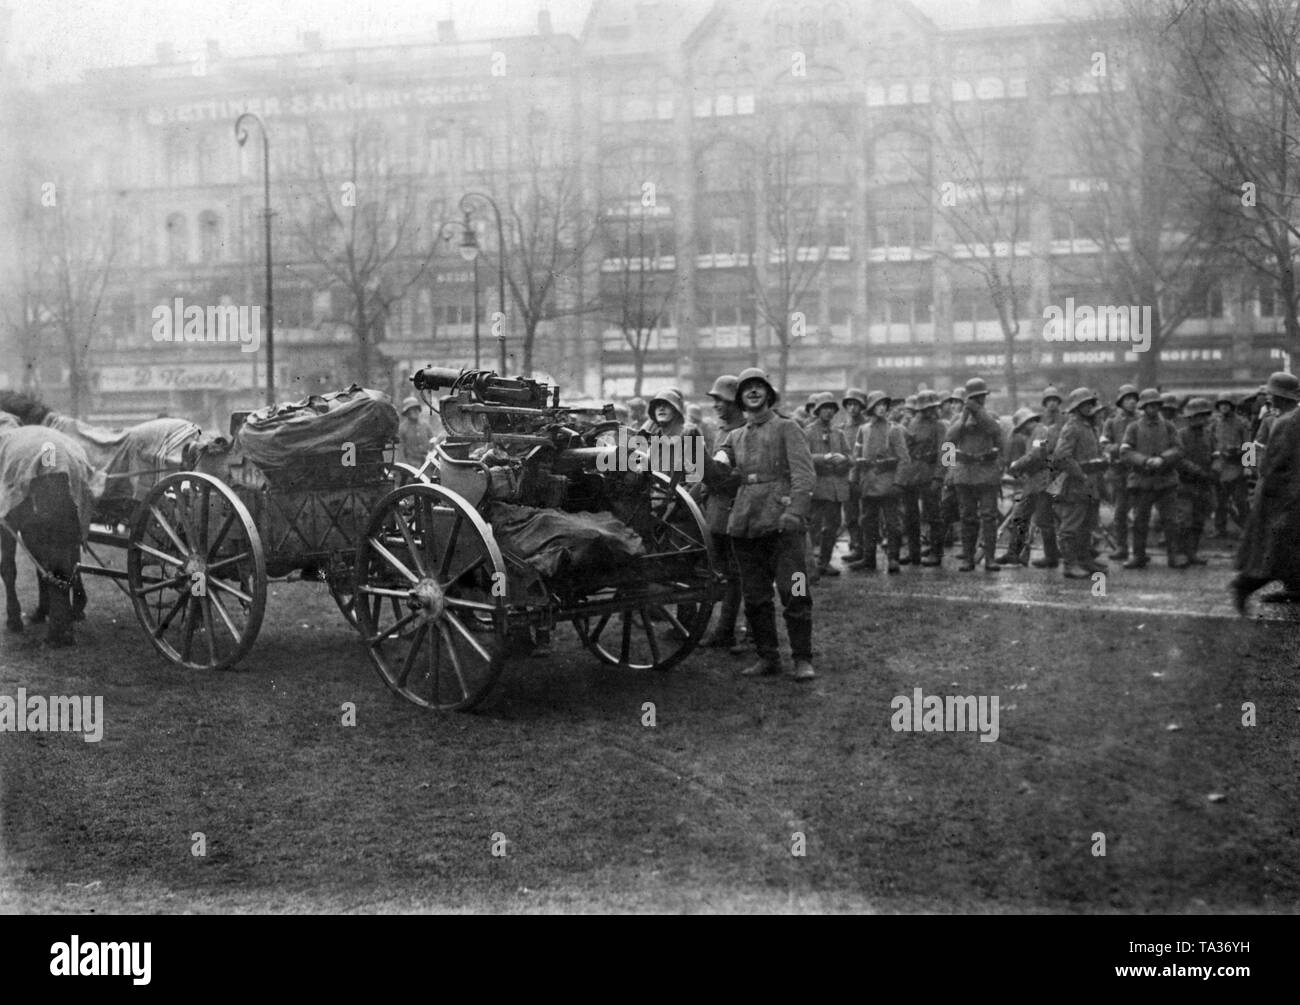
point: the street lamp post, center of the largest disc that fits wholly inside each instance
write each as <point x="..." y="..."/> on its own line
<point x="468" y="249"/>
<point x="241" y="137"/>
<point x="501" y="269"/>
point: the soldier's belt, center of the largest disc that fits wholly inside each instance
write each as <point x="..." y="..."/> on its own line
<point x="884" y="464"/>
<point x="965" y="458"/>
<point x="756" y="479"/>
<point x="1093" y="466"/>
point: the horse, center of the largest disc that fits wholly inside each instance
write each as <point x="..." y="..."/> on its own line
<point x="46" y="497"/>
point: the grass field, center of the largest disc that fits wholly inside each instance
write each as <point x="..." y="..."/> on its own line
<point x="697" y="813"/>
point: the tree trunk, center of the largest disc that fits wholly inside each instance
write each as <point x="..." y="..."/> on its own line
<point x="1009" y="369"/>
<point x="638" y="370"/>
<point x="1292" y="323"/>
<point x="530" y="336"/>
<point x="74" y="377"/>
<point x="784" y="371"/>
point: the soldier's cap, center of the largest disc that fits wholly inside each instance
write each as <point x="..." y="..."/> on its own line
<point x="669" y="396"/>
<point x="1051" y="392"/>
<point x="1148" y="396"/>
<point x="1022" y="417"/>
<point x="975" y="388"/>
<point x="1225" y="398"/>
<point x="1284" y="385"/>
<point x="910" y="402"/>
<point x="876" y="397"/>
<point x="754" y="373"/>
<point x="1080" y="396"/>
<point x="855" y="394"/>
<point x="1124" y="391"/>
<point x="928" y="399"/>
<point x="410" y="403"/>
<point x="823" y="399"/>
<point x="1170" y="400"/>
<point x="1199" y="406"/>
<point x="724" y="388"/>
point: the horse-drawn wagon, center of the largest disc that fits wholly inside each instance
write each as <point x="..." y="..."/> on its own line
<point x="516" y="525"/>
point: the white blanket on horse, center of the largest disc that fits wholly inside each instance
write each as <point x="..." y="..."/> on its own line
<point x="30" y="451"/>
<point x="131" y="460"/>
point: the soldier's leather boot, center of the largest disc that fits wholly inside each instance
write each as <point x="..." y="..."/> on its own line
<point x="990" y="563"/>
<point x="763" y="668"/>
<point x="1137" y="562"/>
<point x="803" y="670"/>
<point x="934" y="558"/>
<point x="893" y="566"/>
<point x="1073" y="570"/>
<point x="1193" y="547"/>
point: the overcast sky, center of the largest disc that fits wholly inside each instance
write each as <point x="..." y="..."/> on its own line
<point x="57" y="39"/>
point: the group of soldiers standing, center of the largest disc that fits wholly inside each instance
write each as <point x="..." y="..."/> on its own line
<point x="900" y="474"/>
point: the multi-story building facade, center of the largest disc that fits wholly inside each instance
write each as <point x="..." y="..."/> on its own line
<point x="755" y="182"/>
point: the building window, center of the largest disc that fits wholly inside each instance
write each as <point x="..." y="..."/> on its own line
<point x="209" y="236"/>
<point x="177" y="240"/>
<point x="474" y="148"/>
<point x="438" y="146"/>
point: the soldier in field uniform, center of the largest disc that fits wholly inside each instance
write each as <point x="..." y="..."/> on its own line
<point x="1151" y="451"/>
<point x="1029" y="467"/>
<point x="1078" y="461"/>
<point x="720" y="485"/>
<point x="920" y="481"/>
<point x="855" y="415"/>
<point x="1196" y="479"/>
<point x="1229" y="432"/>
<point x="976" y="438"/>
<point x="768" y="523"/>
<point x="830" y="453"/>
<point x="878" y="453"/>
<point x="1112" y="435"/>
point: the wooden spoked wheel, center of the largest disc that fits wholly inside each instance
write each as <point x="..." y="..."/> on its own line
<point x="196" y="572"/>
<point x="430" y="598"/>
<point x="650" y="629"/>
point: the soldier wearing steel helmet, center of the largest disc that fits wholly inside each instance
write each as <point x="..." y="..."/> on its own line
<point x="1078" y="460"/>
<point x="768" y="523"/>
<point x="831" y="459"/>
<point x="1229" y="434"/>
<point x="1029" y="468"/>
<point x="920" y="481"/>
<point x="879" y="451"/>
<point x="720" y="485"/>
<point x="1042" y="445"/>
<point x="1196" y="479"/>
<point x="855" y="416"/>
<point x="1270" y="544"/>
<point x="415" y="434"/>
<point x="1151" y="452"/>
<point x="1112" y="435"/>
<point x="978" y="451"/>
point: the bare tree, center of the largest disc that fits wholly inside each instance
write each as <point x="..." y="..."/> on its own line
<point x="358" y="217"/>
<point x="635" y="296"/>
<point x="78" y="243"/>
<point x="21" y="305"/>
<point x="547" y="231"/>
<point x="799" y="176"/>
<point x="1151" y="214"/>
<point x="980" y="191"/>
<point x="1245" y="60"/>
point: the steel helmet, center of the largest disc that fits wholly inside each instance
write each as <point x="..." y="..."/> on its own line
<point x="754" y="373"/>
<point x="1023" y="416"/>
<point x="910" y="402"/>
<point x="975" y="387"/>
<point x="1148" y="396"/>
<point x="1284" y="385"/>
<point x="1225" y="398"/>
<point x="876" y="397"/>
<point x="669" y="396"/>
<point x="1170" y="400"/>
<point x="410" y="403"/>
<point x="1124" y="391"/>
<point x="855" y="394"/>
<point x="819" y="401"/>
<point x="724" y="388"/>
<point x="1080" y="396"/>
<point x="1051" y="392"/>
<point x="1200" y="406"/>
<point x="927" y="399"/>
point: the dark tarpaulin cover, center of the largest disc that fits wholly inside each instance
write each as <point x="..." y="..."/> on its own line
<point x="273" y="437"/>
<point x="554" y="542"/>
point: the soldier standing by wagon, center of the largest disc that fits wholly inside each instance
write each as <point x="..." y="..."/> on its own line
<point x="768" y="524"/>
<point x="920" y="481"/>
<point x="1078" y="460"/>
<point x="976" y="437"/>
<point x="1151" y="452"/>
<point x="720" y="485"/>
<point x="879" y="451"/>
